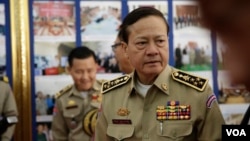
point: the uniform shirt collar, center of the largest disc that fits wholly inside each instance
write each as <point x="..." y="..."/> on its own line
<point x="74" y="92"/>
<point x="97" y="85"/>
<point x="161" y="82"/>
<point x="96" y="88"/>
<point x="131" y="83"/>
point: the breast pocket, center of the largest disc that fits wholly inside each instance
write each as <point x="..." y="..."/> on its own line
<point x="73" y="116"/>
<point x="120" y="132"/>
<point x="175" y="131"/>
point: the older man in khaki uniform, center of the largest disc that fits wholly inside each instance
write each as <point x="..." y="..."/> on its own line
<point x="8" y="110"/>
<point x="76" y="105"/>
<point x="174" y="109"/>
<point x="156" y="102"/>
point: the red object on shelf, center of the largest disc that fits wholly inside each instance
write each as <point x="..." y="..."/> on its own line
<point x="51" y="71"/>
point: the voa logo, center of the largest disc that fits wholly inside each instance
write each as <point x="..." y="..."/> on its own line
<point x="236" y="132"/>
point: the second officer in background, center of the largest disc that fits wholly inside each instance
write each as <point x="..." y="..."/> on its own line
<point x="120" y="55"/>
<point x="75" y="109"/>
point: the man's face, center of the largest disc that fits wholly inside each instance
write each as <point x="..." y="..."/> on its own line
<point x="148" y="46"/>
<point x="117" y="50"/>
<point x="83" y="72"/>
<point x="120" y="56"/>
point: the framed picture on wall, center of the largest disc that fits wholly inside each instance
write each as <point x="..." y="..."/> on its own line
<point x="100" y="19"/>
<point x="54" y="20"/>
<point x="193" y="53"/>
<point x="192" y="42"/>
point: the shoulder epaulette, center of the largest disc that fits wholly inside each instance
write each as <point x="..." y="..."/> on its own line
<point x="101" y="81"/>
<point x="4" y="79"/>
<point x="61" y="92"/>
<point x="193" y="81"/>
<point x="109" y="85"/>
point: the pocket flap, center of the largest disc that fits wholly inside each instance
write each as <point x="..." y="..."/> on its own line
<point x="72" y="112"/>
<point x="175" y="130"/>
<point x="120" y="132"/>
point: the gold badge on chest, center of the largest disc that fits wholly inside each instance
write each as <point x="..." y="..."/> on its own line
<point x="123" y="112"/>
<point x="71" y="104"/>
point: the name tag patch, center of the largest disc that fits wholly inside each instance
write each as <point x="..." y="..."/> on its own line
<point x="121" y="121"/>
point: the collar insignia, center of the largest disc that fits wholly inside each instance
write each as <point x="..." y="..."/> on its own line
<point x="96" y="100"/>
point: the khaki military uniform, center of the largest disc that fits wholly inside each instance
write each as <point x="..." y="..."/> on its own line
<point x="70" y="111"/>
<point x="178" y="107"/>
<point x="7" y="107"/>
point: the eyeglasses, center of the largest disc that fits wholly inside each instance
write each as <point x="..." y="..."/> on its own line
<point x="114" y="46"/>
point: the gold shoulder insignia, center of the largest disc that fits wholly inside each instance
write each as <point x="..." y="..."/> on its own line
<point x="4" y="79"/>
<point x="195" y="82"/>
<point x="109" y="85"/>
<point x="61" y="92"/>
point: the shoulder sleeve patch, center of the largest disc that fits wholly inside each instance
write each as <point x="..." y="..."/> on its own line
<point x="193" y="81"/>
<point x="4" y="79"/>
<point x="109" y="85"/>
<point x="61" y="92"/>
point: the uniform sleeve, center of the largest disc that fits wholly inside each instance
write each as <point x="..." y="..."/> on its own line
<point x="211" y="126"/>
<point x="101" y="126"/>
<point x="59" y="128"/>
<point x="9" y="109"/>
